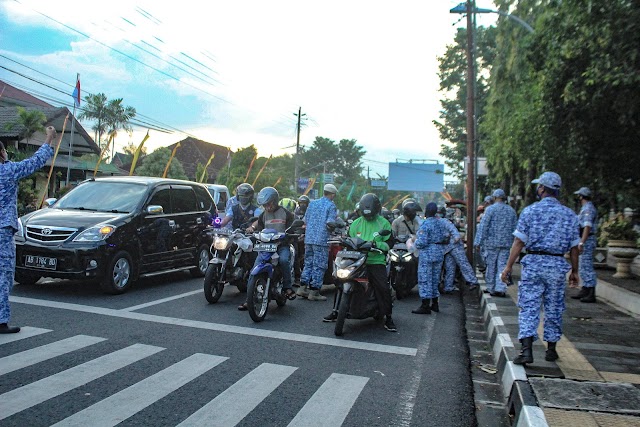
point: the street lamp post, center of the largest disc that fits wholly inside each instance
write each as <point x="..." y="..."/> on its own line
<point x="469" y="8"/>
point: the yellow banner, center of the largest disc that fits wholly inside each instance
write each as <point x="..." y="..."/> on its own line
<point x="173" y="154"/>
<point x="136" y="155"/>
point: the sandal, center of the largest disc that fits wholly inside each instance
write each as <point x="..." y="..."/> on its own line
<point x="290" y="294"/>
<point x="243" y="307"/>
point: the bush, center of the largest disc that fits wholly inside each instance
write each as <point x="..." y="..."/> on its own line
<point x="617" y="228"/>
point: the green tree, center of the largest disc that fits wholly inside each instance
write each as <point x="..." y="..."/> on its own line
<point x="31" y="121"/>
<point x="155" y="163"/>
<point x="343" y="159"/>
<point x="95" y="109"/>
<point x="109" y="116"/>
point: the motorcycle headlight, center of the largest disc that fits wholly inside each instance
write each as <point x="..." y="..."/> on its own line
<point x="393" y="256"/>
<point x="343" y="273"/>
<point x="221" y="243"/>
<point x="407" y="257"/>
<point x="95" y="233"/>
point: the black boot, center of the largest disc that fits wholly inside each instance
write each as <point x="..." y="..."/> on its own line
<point x="551" y="354"/>
<point x="424" y="308"/>
<point x="526" y="354"/>
<point x="583" y="293"/>
<point x="591" y="295"/>
<point x="434" y="305"/>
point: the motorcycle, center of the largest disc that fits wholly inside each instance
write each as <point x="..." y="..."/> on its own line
<point x="355" y="297"/>
<point x="404" y="267"/>
<point x="231" y="261"/>
<point x="337" y="229"/>
<point x="265" y="280"/>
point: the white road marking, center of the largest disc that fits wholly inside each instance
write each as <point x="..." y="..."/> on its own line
<point x="25" y="397"/>
<point x="25" y="332"/>
<point x="236" y="402"/>
<point x="45" y="352"/>
<point x="339" y="392"/>
<point x="262" y="333"/>
<point x="128" y="402"/>
<point x="161" y="301"/>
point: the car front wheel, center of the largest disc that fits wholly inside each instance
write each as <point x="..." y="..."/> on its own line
<point x="119" y="274"/>
<point x="202" y="260"/>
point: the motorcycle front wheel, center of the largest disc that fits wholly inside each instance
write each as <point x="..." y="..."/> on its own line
<point x="258" y="297"/>
<point x="212" y="285"/>
<point x="343" y="312"/>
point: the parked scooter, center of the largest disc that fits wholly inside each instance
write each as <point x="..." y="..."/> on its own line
<point x="231" y="261"/>
<point x="337" y="229"/>
<point x="403" y="275"/>
<point x="265" y="280"/>
<point x="356" y="298"/>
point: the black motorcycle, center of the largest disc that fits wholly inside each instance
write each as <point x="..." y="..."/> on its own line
<point x="403" y="275"/>
<point x="356" y="298"/>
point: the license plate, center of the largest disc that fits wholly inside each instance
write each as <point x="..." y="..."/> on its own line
<point x="400" y="246"/>
<point x="349" y="254"/>
<point x="265" y="247"/>
<point x="40" y="262"/>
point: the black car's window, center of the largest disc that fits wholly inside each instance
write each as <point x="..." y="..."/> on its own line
<point x="162" y="198"/>
<point x="184" y="199"/>
<point x="223" y="198"/>
<point x="205" y="202"/>
<point x="104" y="196"/>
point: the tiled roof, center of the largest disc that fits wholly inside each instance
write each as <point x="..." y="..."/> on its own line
<point x="193" y="151"/>
<point x="13" y="95"/>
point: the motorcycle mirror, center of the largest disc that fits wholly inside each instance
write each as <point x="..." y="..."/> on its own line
<point x="384" y="233"/>
<point x="297" y="223"/>
<point x="331" y="226"/>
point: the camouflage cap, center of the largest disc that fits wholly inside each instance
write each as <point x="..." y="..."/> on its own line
<point x="550" y="180"/>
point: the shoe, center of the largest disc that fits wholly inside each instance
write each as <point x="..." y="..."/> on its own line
<point x="425" y="308"/>
<point x="551" y="355"/>
<point x="591" y="295"/>
<point x="303" y="291"/>
<point x="486" y="291"/>
<point x="473" y="286"/>
<point x="290" y="294"/>
<point x="6" y="329"/>
<point x="434" y="305"/>
<point x="332" y="317"/>
<point x="314" y="295"/>
<point x="389" y="325"/>
<point x="243" y="307"/>
<point x="526" y="353"/>
<point x="583" y="293"/>
<point x="498" y="294"/>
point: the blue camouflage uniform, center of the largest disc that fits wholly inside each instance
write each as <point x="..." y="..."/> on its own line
<point x="546" y="226"/>
<point x="10" y="173"/>
<point x="495" y="235"/>
<point x="588" y="217"/>
<point x="431" y="239"/>
<point x="455" y="256"/>
<point x="316" y="241"/>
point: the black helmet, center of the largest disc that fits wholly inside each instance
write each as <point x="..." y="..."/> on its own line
<point x="303" y="199"/>
<point x="268" y="195"/>
<point x="370" y="206"/>
<point x="412" y="200"/>
<point x="245" y="193"/>
<point x="442" y="211"/>
<point x="409" y="210"/>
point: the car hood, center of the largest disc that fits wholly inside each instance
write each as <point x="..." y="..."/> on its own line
<point x="70" y="218"/>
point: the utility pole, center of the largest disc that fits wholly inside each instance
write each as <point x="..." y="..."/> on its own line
<point x="471" y="132"/>
<point x="297" y="161"/>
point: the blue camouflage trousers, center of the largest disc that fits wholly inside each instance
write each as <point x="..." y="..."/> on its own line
<point x="496" y="262"/>
<point x="457" y="257"/>
<point x="429" y="278"/>
<point x="7" y="270"/>
<point x="541" y="286"/>
<point x="586" y="270"/>
<point x="316" y="261"/>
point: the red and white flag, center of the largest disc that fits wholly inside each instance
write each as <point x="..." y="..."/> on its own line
<point x="76" y="93"/>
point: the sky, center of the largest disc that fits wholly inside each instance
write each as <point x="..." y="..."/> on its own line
<point x="235" y="73"/>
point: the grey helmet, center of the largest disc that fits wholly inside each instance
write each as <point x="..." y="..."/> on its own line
<point x="267" y="195"/>
<point x="245" y="193"/>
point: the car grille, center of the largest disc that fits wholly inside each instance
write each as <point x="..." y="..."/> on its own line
<point x="49" y="234"/>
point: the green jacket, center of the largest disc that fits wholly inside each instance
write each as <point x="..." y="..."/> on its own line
<point x="365" y="229"/>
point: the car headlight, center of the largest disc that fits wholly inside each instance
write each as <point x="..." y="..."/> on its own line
<point x="221" y="243"/>
<point x="20" y="232"/>
<point x="95" y="233"/>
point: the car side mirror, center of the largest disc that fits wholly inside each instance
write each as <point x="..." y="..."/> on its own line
<point x="155" y="210"/>
<point x="49" y="202"/>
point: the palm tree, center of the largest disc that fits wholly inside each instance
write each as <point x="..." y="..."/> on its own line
<point x="95" y="109"/>
<point x="118" y="117"/>
<point x="32" y="120"/>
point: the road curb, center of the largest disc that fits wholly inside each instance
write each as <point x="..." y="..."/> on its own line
<point x="522" y="403"/>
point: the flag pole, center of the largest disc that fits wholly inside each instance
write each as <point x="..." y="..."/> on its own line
<point x="53" y="161"/>
<point x="76" y="98"/>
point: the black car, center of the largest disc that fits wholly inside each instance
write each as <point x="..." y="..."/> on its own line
<point x="114" y="230"/>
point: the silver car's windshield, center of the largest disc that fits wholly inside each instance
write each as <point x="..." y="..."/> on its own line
<point x="104" y="196"/>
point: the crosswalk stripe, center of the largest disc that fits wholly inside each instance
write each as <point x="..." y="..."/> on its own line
<point x="32" y="394"/>
<point x="236" y="402"/>
<point x="126" y="403"/>
<point x="25" y="332"/>
<point x="45" y="352"/>
<point x="339" y="392"/>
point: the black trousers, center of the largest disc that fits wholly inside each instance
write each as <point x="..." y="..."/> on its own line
<point x="377" y="274"/>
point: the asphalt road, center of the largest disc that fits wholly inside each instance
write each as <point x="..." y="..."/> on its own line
<point x="160" y="355"/>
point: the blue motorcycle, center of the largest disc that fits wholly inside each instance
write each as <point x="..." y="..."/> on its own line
<point x="266" y="280"/>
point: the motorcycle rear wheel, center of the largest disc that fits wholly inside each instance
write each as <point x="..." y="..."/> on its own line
<point x="258" y="297"/>
<point x="212" y="286"/>
<point x="343" y="312"/>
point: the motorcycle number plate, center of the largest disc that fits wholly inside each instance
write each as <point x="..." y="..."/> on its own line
<point x="265" y="247"/>
<point x="349" y="254"/>
<point x="400" y="246"/>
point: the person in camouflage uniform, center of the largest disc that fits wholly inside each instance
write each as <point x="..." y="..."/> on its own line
<point x="455" y="257"/>
<point x="495" y="235"/>
<point x="547" y="230"/>
<point x="431" y="239"/>
<point x="588" y="218"/>
<point x="10" y="174"/>
<point x="316" y="244"/>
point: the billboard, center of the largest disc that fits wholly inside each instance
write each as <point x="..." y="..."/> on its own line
<point x="416" y="177"/>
